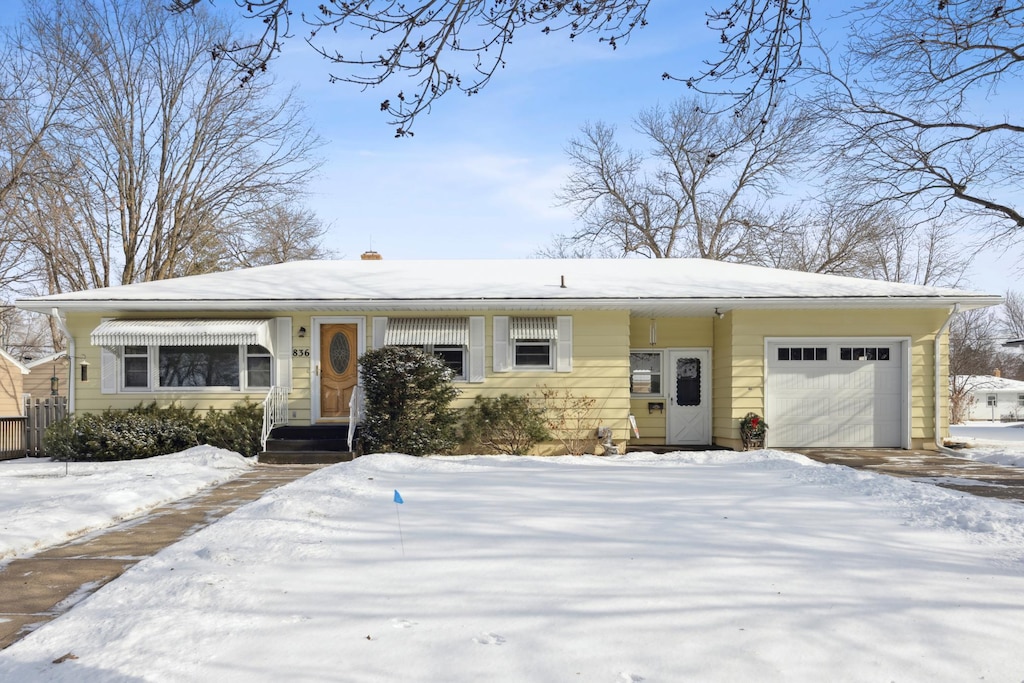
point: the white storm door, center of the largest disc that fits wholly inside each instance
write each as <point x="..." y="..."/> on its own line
<point x="689" y="391"/>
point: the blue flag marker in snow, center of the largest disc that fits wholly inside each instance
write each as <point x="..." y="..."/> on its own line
<point x="399" y="501"/>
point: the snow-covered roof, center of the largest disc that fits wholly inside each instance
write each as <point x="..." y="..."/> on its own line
<point x="644" y="286"/>
<point x="1015" y="342"/>
<point x="992" y="383"/>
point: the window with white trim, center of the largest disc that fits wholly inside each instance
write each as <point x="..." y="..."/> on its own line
<point x="458" y="341"/>
<point x="532" y="354"/>
<point x="645" y="373"/>
<point x="454" y="357"/>
<point x="196" y="367"/>
<point x="532" y="343"/>
<point x="1020" y="400"/>
<point x="991" y="400"/>
<point x="136" y="367"/>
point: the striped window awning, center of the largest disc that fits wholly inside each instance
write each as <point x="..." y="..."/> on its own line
<point x="182" y="333"/>
<point x="533" y="328"/>
<point x="420" y="331"/>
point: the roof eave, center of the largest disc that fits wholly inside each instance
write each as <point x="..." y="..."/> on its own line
<point x="637" y="305"/>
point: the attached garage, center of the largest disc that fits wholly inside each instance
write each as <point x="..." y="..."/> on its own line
<point x="824" y="393"/>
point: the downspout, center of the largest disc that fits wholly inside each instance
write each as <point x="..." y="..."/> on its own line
<point x="55" y="314"/>
<point x="938" y="368"/>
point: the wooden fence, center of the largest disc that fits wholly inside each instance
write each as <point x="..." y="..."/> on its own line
<point x="23" y="436"/>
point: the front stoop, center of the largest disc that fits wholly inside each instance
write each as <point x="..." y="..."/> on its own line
<point x="312" y="445"/>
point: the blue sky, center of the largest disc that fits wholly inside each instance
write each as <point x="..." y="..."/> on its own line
<point x="479" y="178"/>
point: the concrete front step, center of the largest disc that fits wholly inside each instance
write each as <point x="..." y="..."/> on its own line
<point x="306" y="445"/>
<point x="304" y="457"/>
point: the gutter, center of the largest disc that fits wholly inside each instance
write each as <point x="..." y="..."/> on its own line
<point x="55" y="314"/>
<point x="938" y="367"/>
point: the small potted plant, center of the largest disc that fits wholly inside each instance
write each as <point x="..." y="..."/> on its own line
<point x="752" y="431"/>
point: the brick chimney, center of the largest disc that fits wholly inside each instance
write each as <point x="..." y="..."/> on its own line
<point x="997" y="373"/>
<point x="370" y="255"/>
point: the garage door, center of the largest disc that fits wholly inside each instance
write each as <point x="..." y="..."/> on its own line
<point x="845" y="393"/>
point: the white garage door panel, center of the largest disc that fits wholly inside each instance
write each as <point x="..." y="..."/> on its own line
<point x="835" y="402"/>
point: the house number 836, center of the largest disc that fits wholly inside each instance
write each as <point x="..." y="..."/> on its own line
<point x="300" y="352"/>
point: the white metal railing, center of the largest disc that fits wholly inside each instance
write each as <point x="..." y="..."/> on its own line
<point x="275" y="412"/>
<point x="355" y="413"/>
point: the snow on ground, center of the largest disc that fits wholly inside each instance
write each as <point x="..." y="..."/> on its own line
<point x="45" y="503"/>
<point x="686" y="567"/>
<point x="1001" y="443"/>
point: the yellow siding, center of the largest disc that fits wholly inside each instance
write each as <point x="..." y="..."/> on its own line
<point x="600" y="367"/>
<point x="11" y="388"/>
<point x="89" y="398"/>
<point x="37" y="381"/>
<point x="669" y="333"/>
<point x="601" y="344"/>
<point x="744" y="390"/>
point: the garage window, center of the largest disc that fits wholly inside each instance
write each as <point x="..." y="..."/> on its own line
<point x="864" y="353"/>
<point x="991" y="400"/>
<point x="803" y="353"/>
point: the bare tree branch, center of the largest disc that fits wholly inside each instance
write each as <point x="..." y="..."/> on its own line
<point x="702" y="190"/>
<point x="443" y="45"/>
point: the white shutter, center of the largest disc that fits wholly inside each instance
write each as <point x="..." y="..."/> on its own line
<point x="501" y="346"/>
<point x="476" y="349"/>
<point x="380" y="330"/>
<point x="563" y="359"/>
<point x="283" y="351"/>
<point x="108" y="370"/>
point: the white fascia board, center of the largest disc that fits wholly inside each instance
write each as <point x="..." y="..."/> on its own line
<point x="638" y="305"/>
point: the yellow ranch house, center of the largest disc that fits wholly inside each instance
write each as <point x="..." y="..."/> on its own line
<point x="673" y="352"/>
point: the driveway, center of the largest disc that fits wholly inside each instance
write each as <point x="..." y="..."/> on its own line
<point x="941" y="469"/>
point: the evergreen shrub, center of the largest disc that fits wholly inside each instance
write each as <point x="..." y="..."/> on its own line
<point x="149" y="430"/>
<point x="408" y="396"/>
<point x="511" y="425"/>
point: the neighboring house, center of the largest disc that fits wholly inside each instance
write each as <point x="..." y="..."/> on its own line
<point x="685" y="346"/>
<point x="39" y="382"/>
<point x="995" y="398"/>
<point x="12" y="384"/>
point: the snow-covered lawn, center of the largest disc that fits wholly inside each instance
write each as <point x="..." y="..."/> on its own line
<point x="687" y="567"/>
<point x="996" y="442"/>
<point x="45" y="503"/>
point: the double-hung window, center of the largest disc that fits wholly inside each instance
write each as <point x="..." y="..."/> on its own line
<point x="457" y="341"/>
<point x="193" y="354"/>
<point x="533" y="343"/>
<point x="247" y="366"/>
<point x="645" y="373"/>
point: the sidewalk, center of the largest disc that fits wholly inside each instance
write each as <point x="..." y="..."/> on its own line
<point x="39" y="588"/>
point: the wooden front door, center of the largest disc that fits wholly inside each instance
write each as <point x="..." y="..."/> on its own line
<point x="339" y="373"/>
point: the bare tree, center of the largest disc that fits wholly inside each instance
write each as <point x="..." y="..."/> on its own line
<point x="903" y="89"/>
<point x="443" y="45"/>
<point x="279" y="234"/>
<point x="1013" y="314"/>
<point x="158" y="148"/>
<point x="971" y="352"/>
<point x="704" y="188"/>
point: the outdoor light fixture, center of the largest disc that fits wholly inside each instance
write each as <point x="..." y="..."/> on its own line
<point x="85" y="371"/>
<point x="302" y="333"/>
<point x="654" y="332"/>
<point x="719" y="313"/>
